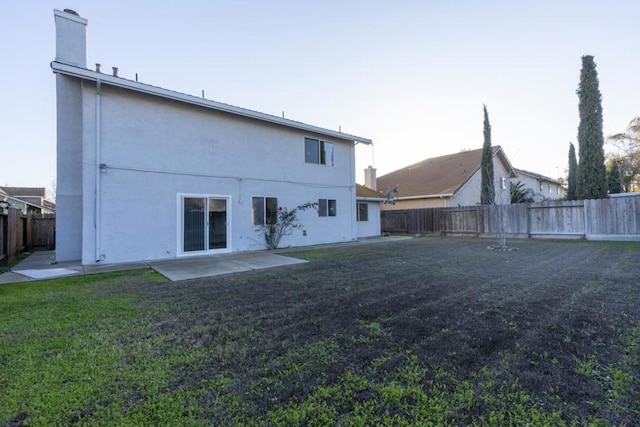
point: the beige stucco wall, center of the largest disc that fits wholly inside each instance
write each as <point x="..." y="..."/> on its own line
<point x="417" y="204"/>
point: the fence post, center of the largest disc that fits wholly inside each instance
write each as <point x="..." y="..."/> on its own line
<point x="3" y="236"/>
<point x="28" y="232"/>
<point x="13" y="227"/>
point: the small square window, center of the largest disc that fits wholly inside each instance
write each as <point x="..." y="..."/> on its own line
<point x="363" y="212"/>
<point x="327" y="207"/>
<point x="264" y="210"/>
<point x="318" y="152"/>
<point x="332" y="208"/>
<point x="311" y="150"/>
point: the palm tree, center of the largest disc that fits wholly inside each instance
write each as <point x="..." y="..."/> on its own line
<point x="628" y="155"/>
<point x="519" y="194"/>
<point x="632" y="135"/>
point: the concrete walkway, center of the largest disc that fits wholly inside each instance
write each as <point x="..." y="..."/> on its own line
<point x="40" y="266"/>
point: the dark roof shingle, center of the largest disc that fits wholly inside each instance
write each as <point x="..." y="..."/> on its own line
<point x="24" y="191"/>
<point x="362" y="191"/>
<point x="437" y="175"/>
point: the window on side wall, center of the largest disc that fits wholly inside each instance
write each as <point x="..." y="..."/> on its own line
<point x="318" y="152"/>
<point x="327" y="207"/>
<point x="363" y="212"/>
<point x="264" y="210"/>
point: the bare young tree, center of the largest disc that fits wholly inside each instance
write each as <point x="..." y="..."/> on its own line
<point x="503" y="199"/>
<point x="50" y="192"/>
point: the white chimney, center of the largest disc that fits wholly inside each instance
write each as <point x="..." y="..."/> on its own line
<point x="370" y="178"/>
<point x="71" y="38"/>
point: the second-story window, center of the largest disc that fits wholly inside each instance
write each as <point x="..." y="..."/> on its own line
<point x="318" y="152"/>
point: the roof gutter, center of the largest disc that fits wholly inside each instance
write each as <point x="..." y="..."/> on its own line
<point x="85" y="74"/>
<point x="427" y="196"/>
<point x="370" y="199"/>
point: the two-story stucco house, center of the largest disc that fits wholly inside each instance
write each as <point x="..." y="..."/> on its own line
<point x="148" y="173"/>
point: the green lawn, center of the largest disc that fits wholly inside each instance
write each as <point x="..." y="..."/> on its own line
<point x="431" y="331"/>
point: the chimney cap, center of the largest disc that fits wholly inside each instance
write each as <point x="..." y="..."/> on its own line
<point x="72" y="12"/>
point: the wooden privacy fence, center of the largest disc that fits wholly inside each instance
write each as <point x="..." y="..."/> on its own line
<point x="20" y="233"/>
<point x="612" y="219"/>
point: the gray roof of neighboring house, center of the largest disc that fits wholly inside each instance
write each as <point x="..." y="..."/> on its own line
<point x="24" y="191"/>
<point x="537" y="176"/>
<point x="366" y="193"/>
<point x="438" y="176"/>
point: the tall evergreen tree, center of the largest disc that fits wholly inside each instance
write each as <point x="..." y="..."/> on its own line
<point x="487" y="190"/>
<point x="592" y="173"/>
<point x="573" y="174"/>
<point x="614" y="178"/>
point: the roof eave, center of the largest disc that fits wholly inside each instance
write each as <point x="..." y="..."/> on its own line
<point x="512" y="170"/>
<point x="370" y="199"/>
<point x="427" y="196"/>
<point x="83" y="73"/>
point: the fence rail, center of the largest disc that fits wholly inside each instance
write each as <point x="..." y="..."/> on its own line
<point x="613" y="219"/>
<point x="20" y="233"/>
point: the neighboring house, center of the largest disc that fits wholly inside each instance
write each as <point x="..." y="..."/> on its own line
<point x="148" y="173"/>
<point x="542" y="187"/>
<point x="368" y="211"/>
<point x="449" y="180"/>
<point x="28" y="199"/>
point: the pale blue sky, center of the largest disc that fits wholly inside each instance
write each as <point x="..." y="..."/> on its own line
<point x="411" y="75"/>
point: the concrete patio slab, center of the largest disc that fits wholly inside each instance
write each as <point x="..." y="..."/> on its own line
<point x="11" y="277"/>
<point x="109" y="268"/>
<point x="49" y="273"/>
<point x="194" y="268"/>
<point x="42" y="265"/>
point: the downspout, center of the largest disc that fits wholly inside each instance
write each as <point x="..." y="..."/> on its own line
<point x="98" y="218"/>
<point x="352" y="167"/>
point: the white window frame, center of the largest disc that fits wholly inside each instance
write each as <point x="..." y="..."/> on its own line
<point x="325" y="154"/>
<point x="325" y="211"/>
<point x="180" y="252"/>
<point x="366" y="205"/>
<point x="264" y="209"/>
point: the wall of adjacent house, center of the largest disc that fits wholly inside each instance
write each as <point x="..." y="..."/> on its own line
<point x="549" y="191"/>
<point x="154" y="150"/>
<point x="434" y="202"/>
<point x="469" y="194"/>
<point x="371" y="227"/>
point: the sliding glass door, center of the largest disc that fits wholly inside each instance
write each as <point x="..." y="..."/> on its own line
<point x="204" y="224"/>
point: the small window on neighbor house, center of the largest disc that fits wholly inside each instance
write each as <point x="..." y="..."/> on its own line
<point x="363" y="212"/>
<point x="503" y="183"/>
<point x="318" y="152"/>
<point x="327" y="207"/>
<point x="541" y="186"/>
<point x="549" y="188"/>
<point x="264" y="210"/>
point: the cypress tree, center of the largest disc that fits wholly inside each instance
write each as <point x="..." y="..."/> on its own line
<point x="614" y="178"/>
<point x="573" y="174"/>
<point x="592" y="173"/>
<point x="487" y="193"/>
